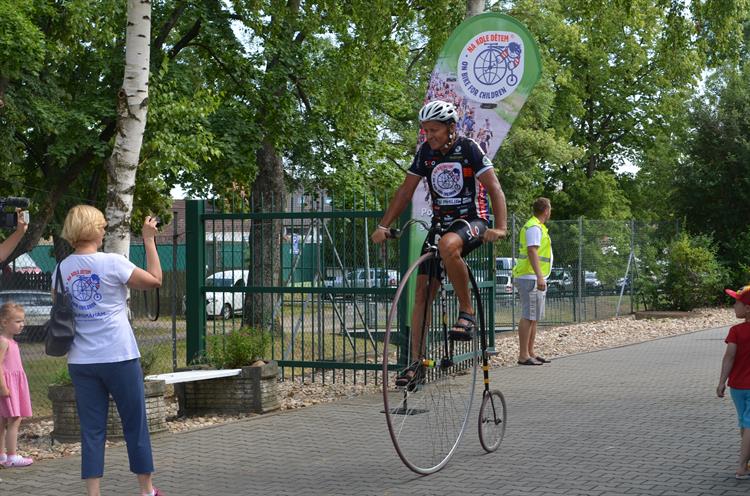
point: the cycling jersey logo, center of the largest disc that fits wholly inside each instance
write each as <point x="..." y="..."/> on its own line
<point x="86" y="287"/>
<point x="491" y="65"/>
<point x="447" y="179"/>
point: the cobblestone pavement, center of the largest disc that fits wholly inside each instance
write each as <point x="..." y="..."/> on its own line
<point x="636" y="420"/>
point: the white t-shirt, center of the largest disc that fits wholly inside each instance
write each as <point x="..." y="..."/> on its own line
<point x="96" y="283"/>
<point x="534" y="238"/>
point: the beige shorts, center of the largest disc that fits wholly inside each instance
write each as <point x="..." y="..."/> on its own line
<point x="532" y="300"/>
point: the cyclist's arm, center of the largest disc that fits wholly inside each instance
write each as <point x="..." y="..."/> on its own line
<point x="400" y="199"/>
<point x="497" y="198"/>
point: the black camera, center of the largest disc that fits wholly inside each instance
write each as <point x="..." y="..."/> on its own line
<point x="10" y="219"/>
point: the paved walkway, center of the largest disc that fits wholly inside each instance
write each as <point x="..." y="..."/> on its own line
<point x="636" y="420"/>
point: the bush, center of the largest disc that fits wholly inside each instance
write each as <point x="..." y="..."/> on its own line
<point x="238" y="348"/>
<point x="62" y="377"/>
<point x="693" y="275"/>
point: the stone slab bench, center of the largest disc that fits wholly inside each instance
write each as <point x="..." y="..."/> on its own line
<point x="251" y="389"/>
<point x="193" y="375"/>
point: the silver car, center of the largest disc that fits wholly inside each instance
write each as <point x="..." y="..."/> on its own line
<point x="36" y="304"/>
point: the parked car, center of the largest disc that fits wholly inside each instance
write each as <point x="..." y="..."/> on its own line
<point x="504" y="264"/>
<point x="503" y="284"/>
<point x="623" y="281"/>
<point x="36" y="304"/>
<point x="591" y="282"/>
<point x="224" y="305"/>
<point x="358" y="278"/>
<point x="559" y="280"/>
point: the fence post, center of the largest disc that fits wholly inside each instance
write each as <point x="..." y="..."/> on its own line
<point x="514" y="255"/>
<point x="632" y="274"/>
<point x="195" y="257"/>
<point x="580" y="269"/>
<point x="175" y="237"/>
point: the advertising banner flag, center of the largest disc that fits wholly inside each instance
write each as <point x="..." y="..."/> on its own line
<point x="487" y="69"/>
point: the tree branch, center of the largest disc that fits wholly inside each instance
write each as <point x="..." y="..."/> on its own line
<point x="218" y="61"/>
<point x="186" y="39"/>
<point x="168" y="26"/>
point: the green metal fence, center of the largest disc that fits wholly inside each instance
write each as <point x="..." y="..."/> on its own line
<point x="320" y="287"/>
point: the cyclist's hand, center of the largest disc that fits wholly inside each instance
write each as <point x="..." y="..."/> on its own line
<point x="149" y="227"/>
<point x="492" y="235"/>
<point x="379" y="235"/>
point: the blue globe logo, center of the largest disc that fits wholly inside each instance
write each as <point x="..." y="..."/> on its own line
<point x="489" y="66"/>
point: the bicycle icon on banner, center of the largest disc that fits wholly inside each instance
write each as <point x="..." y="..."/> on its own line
<point x="493" y="64"/>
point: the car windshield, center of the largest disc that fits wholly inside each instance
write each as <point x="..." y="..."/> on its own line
<point x="556" y="274"/>
<point x="216" y="282"/>
<point x="590" y="275"/>
<point x="27" y="299"/>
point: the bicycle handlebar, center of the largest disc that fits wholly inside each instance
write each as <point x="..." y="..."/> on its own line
<point x="394" y="233"/>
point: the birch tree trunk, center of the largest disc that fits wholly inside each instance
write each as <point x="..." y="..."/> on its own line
<point x="132" y="105"/>
<point x="474" y="7"/>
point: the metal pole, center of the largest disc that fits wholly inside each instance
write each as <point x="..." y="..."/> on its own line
<point x="174" y="290"/>
<point x="580" y="268"/>
<point x="513" y="255"/>
<point x="632" y="255"/>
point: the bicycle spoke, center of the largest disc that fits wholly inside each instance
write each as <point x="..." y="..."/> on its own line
<point x="426" y="421"/>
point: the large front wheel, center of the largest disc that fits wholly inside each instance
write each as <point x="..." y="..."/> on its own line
<point x="427" y="417"/>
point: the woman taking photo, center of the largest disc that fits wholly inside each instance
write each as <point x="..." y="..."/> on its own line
<point x="104" y="359"/>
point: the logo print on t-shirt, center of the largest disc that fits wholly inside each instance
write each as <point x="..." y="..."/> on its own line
<point x="84" y="288"/>
<point x="447" y="179"/>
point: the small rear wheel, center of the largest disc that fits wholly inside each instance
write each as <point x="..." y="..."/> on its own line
<point x="492" y="419"/>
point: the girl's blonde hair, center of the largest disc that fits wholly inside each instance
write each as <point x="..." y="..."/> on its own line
<point x="82" y="224"/>
<point x="7" y="310"/>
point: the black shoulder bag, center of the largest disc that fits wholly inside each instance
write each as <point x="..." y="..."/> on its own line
<point x="61" y="326"/>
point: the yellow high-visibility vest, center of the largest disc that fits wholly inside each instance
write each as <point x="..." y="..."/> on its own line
<point x="523" y="267"/>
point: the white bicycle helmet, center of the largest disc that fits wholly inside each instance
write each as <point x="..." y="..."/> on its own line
<point x="438" y="110"/>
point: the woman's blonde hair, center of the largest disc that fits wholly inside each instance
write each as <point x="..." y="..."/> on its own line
<point x="82" y="224"/>
<point x="7" y="310"/>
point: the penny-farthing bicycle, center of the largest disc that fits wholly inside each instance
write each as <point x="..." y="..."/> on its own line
<point x="428" y="416"/>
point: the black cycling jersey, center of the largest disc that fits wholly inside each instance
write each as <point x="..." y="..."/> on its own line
<point x="453" y="179"/>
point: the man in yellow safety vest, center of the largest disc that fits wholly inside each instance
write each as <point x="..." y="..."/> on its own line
<point x="530" y="277"/>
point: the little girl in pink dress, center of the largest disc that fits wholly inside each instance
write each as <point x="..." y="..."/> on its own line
<point x="15" y="401"/>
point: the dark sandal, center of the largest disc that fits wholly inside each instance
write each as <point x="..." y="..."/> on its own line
<point x="467" y="332"/>
<point x="409" y="375"/>
<point x="541" y="359"/>
<point x="529" y="361"/>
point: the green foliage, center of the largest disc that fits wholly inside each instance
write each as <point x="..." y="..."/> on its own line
<point x="238" y="348"/>
<point x="713" y="186"/>
<point x="616" y="75"/>
<point x="149" y="358"/>
<point x="693" y="276"/>
<point x="62" y="377"/>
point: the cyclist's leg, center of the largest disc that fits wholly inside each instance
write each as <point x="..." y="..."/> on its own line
<point x="420" y="319"/>
<point x="453" y="246"/>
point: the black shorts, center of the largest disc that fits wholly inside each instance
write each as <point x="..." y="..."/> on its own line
<point x="472" y="238"/>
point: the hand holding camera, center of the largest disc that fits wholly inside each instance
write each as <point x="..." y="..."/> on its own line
<point x="150" y="227"/>
<point x="19" y="218"/>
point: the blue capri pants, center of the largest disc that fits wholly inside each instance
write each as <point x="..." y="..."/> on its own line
<point x="93" y="384"/>
<point x="741" y="398"/>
